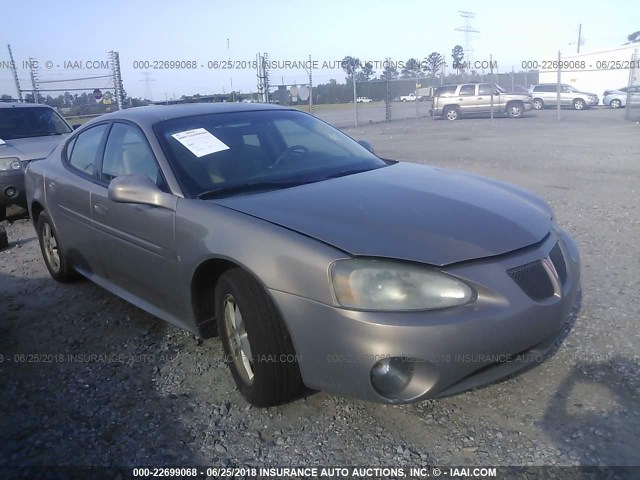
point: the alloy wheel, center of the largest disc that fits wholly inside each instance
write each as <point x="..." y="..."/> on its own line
<point x="238" y="339"/>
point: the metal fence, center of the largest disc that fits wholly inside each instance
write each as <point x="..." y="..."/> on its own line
<point x="77" y="87"/>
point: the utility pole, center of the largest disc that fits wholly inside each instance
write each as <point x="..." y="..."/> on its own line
<point x="579" y="37"/>
<point x="233" y="95"/>
<point x="14" y="71"/>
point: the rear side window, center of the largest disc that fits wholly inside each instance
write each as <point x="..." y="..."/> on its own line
<point x="86" y="148"/>
<point x="467" y="90"/>
<point x="446" y="91"/>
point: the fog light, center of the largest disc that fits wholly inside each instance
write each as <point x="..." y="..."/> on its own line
<point x="391" y="376"/>
<point x="10" y="192"/>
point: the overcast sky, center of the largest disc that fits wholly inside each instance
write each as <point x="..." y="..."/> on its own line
<point x="328" y="30"/>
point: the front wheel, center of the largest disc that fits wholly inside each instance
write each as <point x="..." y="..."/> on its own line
<point x="54" y="257"/>
<point x="538" y="104"/>
<point x="579" y="104"/>
<point x="515" y="110"/>
<point x="451" y="113"/>
<point x="257" y="345"/>
<point x="615" y="103"/>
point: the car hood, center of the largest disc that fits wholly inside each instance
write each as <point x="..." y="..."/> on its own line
<point x="407" y="211"/>
<point x="32" y="148"/>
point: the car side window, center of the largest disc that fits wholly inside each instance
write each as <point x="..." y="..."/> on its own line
<point x="85" y="150"/>
<point x="128" y="153"/>
<point x="467" y="90"/>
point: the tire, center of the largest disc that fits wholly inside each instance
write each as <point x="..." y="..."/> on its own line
<point x="3" y="213"/>
<point x="538" y="104"/>
<point x="451" y="113"/>
<point x="615" y="103"/>
<point x="579" y="104"/>
<point x="257" y="345"/>
<point x="515" y="109"/>
<point x="54" y="256"/>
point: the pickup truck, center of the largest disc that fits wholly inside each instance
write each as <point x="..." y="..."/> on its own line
<point x="409" y="98"/>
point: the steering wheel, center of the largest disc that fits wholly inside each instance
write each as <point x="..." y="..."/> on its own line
<point x="298" y="149"/>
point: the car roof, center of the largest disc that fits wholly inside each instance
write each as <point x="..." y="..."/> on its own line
<point x="22" y="105"/>
<point x="157" y="113"/>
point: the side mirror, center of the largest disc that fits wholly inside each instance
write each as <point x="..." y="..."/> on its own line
<point x="75" y="127"/>
<point x="366" y="144"/>
<point x="139" y="189"/>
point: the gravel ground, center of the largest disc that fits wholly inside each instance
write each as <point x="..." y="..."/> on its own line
<point x="155" y="395"/>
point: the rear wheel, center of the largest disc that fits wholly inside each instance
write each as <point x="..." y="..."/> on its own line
<point x="515" y="109"/>
<point x="54" y="257"/>
<point x="615" y="103"/>
<point x="579" y="104"/>
<point x="538" y="104"/>
<point x="257" y="345"/>
<point x="451" y="113"/>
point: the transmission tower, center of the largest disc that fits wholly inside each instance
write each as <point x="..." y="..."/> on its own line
<point x="468" y="30"/>
<point x="147" y="84"/>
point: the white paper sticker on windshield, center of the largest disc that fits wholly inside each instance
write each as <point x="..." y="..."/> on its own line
<point x="200" y="142"/>
<point x="2" y="142"/>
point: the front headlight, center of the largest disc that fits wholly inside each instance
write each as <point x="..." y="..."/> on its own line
<point x="370" y="284"/>
<point x="9" y="163"/>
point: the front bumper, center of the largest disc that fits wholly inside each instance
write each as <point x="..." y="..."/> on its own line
<point x="594" y="102"/>
<point x="12" y="180"/>
<point x="455" y="349"/>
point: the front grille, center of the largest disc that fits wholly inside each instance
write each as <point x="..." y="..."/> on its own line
<point x="558" y="261"/>
<point x="533" y="279"/>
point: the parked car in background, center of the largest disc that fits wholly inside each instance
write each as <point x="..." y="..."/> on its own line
<point x="363" y="100"/>
<point x="294" y="243"/>
<point x="455" y="101"/>
<point x="408" y="98"/>
<point x="546" y="95"/>
<point x="27" y="132"/>
<point x="617" y="98"/>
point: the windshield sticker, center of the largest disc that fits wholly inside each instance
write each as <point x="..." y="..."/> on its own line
<point x="200" y="142"/>
<point x="2" y="142"/>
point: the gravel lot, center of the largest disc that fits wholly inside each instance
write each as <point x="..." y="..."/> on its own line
<point x="159" y="396"/>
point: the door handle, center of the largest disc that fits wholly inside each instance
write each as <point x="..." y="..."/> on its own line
<point x="100" y="208"/>
<point x="480" y="98"/>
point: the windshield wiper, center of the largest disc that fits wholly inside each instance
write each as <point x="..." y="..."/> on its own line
<point x="352" y="171"/>
<point x="249" y="187"/>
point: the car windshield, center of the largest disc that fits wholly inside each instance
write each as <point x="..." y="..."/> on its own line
<point x="230" y="153"/>
<point x="26" y="122"/>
